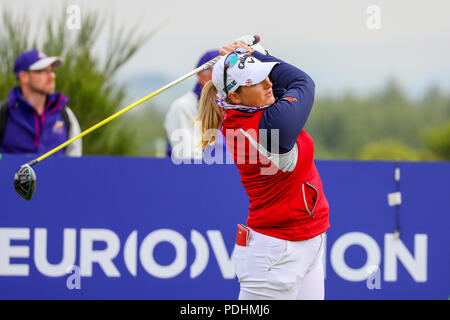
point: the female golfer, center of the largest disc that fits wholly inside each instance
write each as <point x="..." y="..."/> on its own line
<point x="262" y="104"/>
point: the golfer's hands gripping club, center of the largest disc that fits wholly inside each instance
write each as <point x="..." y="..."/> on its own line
<point x="254" y="41"/>
<point x="250" y="43"/>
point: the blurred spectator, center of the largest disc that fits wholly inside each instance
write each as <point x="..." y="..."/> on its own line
<point x="35" y="119"/>
<point x="183" y="134"/>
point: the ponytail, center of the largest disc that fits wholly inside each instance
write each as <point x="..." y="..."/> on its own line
<point x="211" y="115"/>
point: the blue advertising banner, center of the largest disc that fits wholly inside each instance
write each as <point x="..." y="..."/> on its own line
<point x="141" y="228"/>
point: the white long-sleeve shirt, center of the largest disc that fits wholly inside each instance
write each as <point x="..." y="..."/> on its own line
<point x="184" y="132"/>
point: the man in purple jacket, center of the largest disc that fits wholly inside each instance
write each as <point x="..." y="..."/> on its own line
<point x="35" y="119"/>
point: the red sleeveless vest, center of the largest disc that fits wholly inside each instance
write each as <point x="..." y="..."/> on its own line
<point x="285" y="191"/>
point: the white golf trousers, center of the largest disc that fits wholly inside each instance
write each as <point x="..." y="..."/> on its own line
<point x="272" y="268"/>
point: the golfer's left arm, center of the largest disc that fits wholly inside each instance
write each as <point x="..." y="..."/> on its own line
<point x="294" y="102"/>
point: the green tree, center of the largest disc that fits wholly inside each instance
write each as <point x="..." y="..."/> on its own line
<point x="351" y="126"/>
<point x="437" y="140"/>
<point x="85" y="78"/>
<point x="389" y="150"/>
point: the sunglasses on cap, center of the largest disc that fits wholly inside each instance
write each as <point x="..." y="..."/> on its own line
<point x="229" y="62"/>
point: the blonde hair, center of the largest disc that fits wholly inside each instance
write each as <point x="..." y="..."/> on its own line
<point x="211" y="114"/>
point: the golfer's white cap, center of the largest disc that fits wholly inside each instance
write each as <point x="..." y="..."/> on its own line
<point x="243" y="69"/>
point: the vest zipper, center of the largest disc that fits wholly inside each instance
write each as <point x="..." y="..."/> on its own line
<point x="304" y="198"/>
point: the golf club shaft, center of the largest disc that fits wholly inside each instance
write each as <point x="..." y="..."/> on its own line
<point x="203" y="67"/>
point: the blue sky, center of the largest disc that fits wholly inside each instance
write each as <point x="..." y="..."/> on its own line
<point x="329" y="39"/>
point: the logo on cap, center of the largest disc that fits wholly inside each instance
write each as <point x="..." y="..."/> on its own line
<point x="230" y="86"/>
<point x="243" y="60"/>
<point x="41" y="55"/>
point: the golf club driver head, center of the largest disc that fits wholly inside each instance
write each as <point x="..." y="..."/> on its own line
<point x="25" y="182"/>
